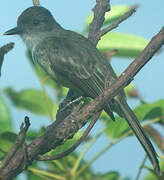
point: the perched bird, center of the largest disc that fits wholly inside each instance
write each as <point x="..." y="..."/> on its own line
<point x="74" y="62"/>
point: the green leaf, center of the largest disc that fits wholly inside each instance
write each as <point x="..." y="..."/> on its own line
<point x="117" y="128"/>
<point x="31" y="134"/>
<point x="115" y="13"/>
<point x="5" y="119"/>
<point x="6" y="140"/>
<point x="113" y="175"/>
<point x="68" y="143"/>
<point x="30" y="99"/>
<point x="126" y="44"/>
<point x="32" y="176"/>
<point x="55" y="109"/>
<point x="150" y="111"/>
<point x="1" y="155"/>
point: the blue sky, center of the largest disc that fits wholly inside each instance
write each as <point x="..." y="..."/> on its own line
<point x="71" y="14"/>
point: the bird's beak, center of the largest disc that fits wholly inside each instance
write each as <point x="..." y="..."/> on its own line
<point x="12" y="31"/>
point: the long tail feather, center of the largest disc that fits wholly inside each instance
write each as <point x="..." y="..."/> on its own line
<point x="140" y="134"/>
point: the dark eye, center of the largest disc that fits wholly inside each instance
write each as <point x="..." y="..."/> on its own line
<point x="36" y="22"/>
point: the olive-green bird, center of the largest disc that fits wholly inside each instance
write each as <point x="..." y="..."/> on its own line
<point x="74" y="62"/>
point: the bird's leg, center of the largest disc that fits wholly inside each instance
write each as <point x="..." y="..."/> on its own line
<point x="69" y="101"/>
<point x="74" y="101"/>
<point x="67" y="105"/>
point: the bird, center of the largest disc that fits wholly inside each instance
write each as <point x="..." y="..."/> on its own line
<point x="73" y="61"/>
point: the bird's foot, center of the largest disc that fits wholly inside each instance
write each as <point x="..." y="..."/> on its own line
<point x="71" y="103"/>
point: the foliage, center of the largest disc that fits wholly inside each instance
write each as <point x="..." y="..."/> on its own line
<point x="40" y="102"/>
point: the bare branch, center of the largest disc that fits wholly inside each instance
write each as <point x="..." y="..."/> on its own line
<point x="141" y="168"/>
<point x="4" y="50"/>
<point x="18" y="143"/>
<point x="118" y="21"/>
<point x="36" y="2"/>
<point x="101" y="7"/>
<point x="71" y="149"/>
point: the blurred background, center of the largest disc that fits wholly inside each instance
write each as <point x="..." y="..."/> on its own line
<point x="17" y="72"/>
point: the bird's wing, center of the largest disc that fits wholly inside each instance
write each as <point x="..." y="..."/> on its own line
<point x="73" y="61"/>
<point x="77" y="64"/>
<point x="69" y="57"/>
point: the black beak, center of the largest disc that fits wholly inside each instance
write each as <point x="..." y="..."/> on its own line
<point x="12" y="31"/>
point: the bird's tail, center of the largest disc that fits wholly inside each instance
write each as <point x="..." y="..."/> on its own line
<point x="134" y="124"/>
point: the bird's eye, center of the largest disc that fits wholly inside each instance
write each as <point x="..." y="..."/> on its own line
<point x="36" y="22"/>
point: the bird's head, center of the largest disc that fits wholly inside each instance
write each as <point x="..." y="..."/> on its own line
<point x="33" y="20"/>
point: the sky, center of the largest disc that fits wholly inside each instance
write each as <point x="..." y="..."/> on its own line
<point x="16" y="71"/>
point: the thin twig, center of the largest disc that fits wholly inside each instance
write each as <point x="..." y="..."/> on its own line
<point x="71" y="149"/>
<point x="118" y="21"/>
<point x="95" y="157"/>
<point x="36" y="2"/>
<point x="110" y="145"/>
<point x="140" y="168"/>
<point x="18" y="142"/>
<point x="101" y="7"/>
<point x="4" y="50"/>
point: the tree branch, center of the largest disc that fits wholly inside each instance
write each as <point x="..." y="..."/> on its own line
<point x="101" y="7"/>
<point x="117" y="22"/>
<point x="71" y="149"/>
<point x="4" y="50"/>
<point x="36" y="2"/>
<point x="18" y="143"/>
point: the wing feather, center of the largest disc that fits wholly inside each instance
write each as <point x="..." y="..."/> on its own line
<point x="72" y="62"/>
<point x="74" y="65"/>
